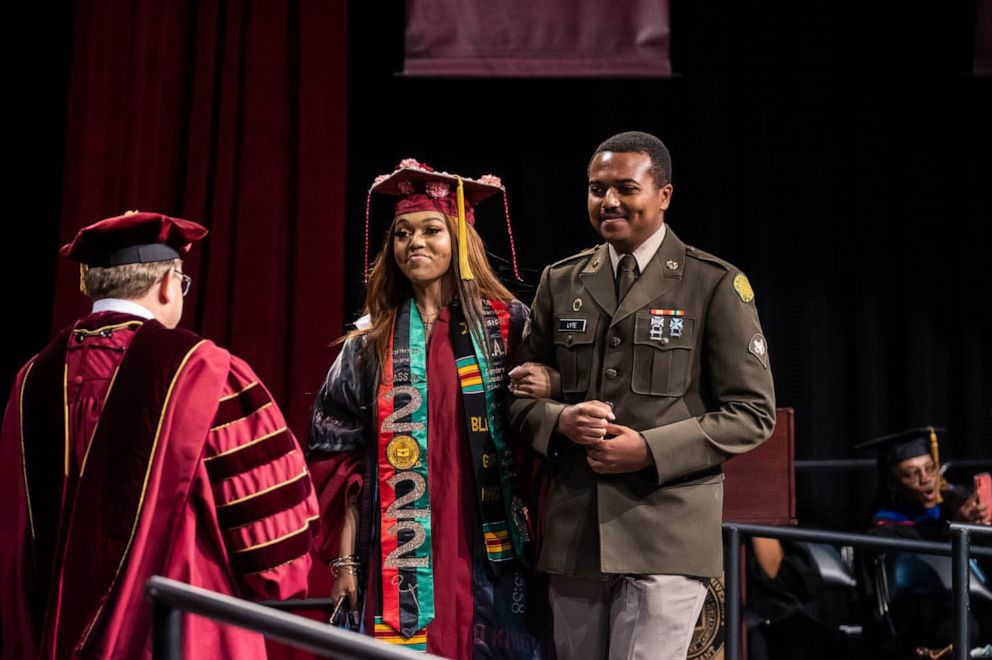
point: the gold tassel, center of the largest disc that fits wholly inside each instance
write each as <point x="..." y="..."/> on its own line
<point x="935" y="452"/>
<point x="82" y="278"/>
<point x="463" y="265"/>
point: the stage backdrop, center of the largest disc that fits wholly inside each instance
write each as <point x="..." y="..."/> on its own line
<point x="233" y="115"/>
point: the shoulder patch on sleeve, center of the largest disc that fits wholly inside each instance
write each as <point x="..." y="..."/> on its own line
<point x="758" y="347"/>
<point x="743" y="288"/>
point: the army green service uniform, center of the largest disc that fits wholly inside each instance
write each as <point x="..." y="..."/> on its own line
<point x="682" y="360"/>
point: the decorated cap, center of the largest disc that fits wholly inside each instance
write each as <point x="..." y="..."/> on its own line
<point x="418" y="187"/>
<point x="133" y="238"/>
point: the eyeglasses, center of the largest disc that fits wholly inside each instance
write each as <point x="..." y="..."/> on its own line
<point x="918" y="474"/>
<point x="186" y="280"/>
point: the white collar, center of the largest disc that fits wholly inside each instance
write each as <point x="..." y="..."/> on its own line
<point x="645" y="251"/>
<point x="122" y="306"/>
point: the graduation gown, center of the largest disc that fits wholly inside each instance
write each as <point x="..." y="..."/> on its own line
<point x="130" y="450"/>
<point x="923" y="619"/>
<point x="468" y="622"/>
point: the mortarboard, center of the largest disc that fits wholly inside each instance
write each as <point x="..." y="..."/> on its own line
<point x="898" y="447"/>
<point x="418" y="187"/>
<point x="134" y="237"/>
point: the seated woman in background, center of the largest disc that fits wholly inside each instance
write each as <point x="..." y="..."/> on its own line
<point x="423" y="525"/>
<point x="913" y="499"/>
<point x="914" y="502"/>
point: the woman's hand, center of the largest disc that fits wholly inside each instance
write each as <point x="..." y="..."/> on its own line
<point x="344" y="568"/>
<point x="534" y="380"/>
<point x="346" y="584"/>
<point x="972" y="511"/>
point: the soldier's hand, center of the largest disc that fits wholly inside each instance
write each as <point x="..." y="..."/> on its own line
<point x="585" y="423"/>
<point x="535" y="381"/>
<point x="626" y="451"/>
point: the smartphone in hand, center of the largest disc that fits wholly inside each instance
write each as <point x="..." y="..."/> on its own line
<point x="983" y="487"/>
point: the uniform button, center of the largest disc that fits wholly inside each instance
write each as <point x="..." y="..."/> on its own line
<point x="663" y="340"/>
<point x="568" y="340"/>
<point x="77" y="380"/>
<point x="615" y="341"/>
<point x="611" y="373"/>
<point x="79" y="338"/>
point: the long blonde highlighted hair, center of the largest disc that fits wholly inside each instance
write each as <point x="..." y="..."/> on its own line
<point x="388" y="289"/>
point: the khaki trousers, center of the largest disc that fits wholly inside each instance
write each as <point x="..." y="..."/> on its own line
<point x="628" y="617"/>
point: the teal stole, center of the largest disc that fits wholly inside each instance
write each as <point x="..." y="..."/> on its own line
<point x="407" y="578"/>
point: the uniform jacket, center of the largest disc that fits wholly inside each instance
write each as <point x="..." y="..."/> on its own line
<point x="699" y="392"/>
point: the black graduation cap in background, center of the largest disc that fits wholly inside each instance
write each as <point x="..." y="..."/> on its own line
<point x="897" y="447"/>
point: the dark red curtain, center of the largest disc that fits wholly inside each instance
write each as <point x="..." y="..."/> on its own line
<point x="231" y="114"/>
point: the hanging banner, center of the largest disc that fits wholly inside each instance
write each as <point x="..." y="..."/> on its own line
<point x="983" y="38"/>
<point x="538" y="38"/>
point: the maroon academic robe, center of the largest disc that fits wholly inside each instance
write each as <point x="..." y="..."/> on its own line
<point x="129" y="450"/>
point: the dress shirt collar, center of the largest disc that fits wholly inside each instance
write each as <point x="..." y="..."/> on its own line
<point x="644" y="252"/>
<point x="122" y="306"/>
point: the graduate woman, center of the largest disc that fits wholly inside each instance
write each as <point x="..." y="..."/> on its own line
<point x="423" y="527"/>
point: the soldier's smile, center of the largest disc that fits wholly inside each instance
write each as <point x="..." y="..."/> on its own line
<point x="625" y="206"/>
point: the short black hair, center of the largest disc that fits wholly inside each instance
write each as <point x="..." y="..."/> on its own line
<point x="644" y="143"/>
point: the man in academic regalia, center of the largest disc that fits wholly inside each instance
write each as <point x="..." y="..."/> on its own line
<point x="131" y="448"/>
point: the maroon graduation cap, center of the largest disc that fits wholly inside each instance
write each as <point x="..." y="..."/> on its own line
<point x="418" y="187"/>
<point x="133" y="238"/>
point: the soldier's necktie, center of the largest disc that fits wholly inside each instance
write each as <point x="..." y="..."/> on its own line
<point x="627" y="273"/>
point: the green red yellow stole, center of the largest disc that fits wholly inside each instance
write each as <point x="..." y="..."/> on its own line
<point x="407" y="577"/>
<point x="504" y="526"/>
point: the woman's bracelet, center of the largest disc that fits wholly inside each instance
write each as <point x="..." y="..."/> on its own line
<point x="345" y="564"/>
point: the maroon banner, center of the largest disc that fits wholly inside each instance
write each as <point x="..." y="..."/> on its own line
<point x="983" y="38"/>
<point x="538" y="38"/>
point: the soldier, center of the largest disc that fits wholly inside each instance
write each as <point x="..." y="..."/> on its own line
<point x="662" y="374"/>
<point x="130" y="449"/>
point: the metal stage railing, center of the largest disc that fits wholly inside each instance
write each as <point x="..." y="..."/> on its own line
<point x="170" y="599"/>
<point x="960" y="549"/>
<point x="855" y="464"/>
